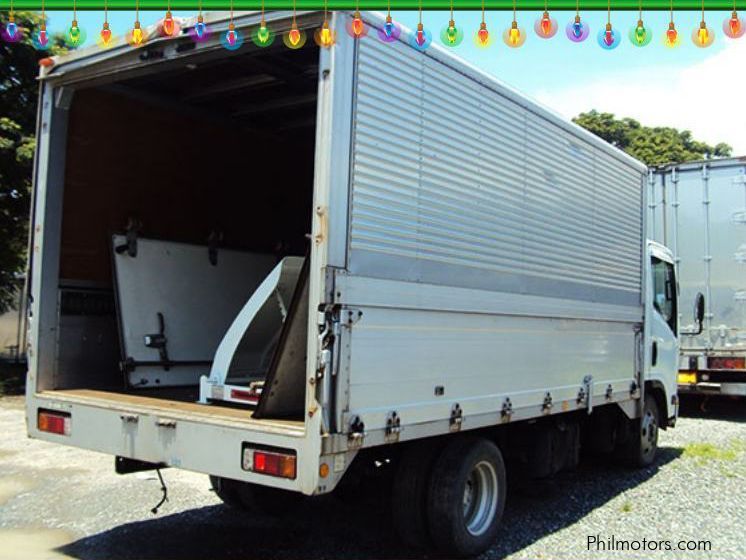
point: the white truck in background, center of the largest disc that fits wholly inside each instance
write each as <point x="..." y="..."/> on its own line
<point x="331" y="262"/>
<point x="698" y="209"/>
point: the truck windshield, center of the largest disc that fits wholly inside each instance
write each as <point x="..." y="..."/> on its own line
<point x="664" y="291"/>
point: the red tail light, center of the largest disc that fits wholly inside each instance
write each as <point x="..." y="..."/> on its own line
<point x="274" y="463"/>
<point x="726" y="363"/>
<point x="250" y="396"/>
<point x="54" y="422"/>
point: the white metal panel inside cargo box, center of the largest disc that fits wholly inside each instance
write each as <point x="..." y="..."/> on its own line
<point x="492" y="199"/>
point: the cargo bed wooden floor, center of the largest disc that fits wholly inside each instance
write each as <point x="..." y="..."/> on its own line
<point x="174" y="408"/>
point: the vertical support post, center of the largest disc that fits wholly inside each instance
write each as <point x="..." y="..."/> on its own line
<point x="707" y="253"/>
<point x="675" y="218"/>
<point x="650" y="231"/>
<point x="45" y="240"/>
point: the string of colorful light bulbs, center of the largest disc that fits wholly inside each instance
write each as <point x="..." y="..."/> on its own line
<point x="545" y="27"/>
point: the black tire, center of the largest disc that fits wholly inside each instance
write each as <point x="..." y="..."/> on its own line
<point x="457" y="525"/>
<point x="409" y="494"/>
<point x="640" y="448"/>
<point x="255" y="498"/>
<point x="272" y="501"/>
<point x="228" y="491"/>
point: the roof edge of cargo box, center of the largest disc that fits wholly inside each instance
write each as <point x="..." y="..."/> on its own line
<point x="716" y="163"/>
<point x="94" y="56"/>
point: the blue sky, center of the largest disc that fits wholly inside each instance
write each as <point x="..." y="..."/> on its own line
<point x="687" y="87"/>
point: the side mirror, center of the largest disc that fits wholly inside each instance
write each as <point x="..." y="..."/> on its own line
<point x="699" y="311"/>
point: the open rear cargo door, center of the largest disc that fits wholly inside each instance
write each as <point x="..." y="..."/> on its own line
<point x="284" y="389"/>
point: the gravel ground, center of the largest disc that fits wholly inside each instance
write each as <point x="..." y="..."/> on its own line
<point x="58" y="502"/>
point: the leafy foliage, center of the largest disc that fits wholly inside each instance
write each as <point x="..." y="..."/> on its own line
<point x="651" y="145"/>
<point x="19" y="67"/>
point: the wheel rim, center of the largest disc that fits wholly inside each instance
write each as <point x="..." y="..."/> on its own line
<point x="480" y="498"/>
<point x="649" y="433"/>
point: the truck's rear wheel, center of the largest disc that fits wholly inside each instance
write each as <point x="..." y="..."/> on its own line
<point x="228" y="491"/>
<point x="466" y="496"/>
<point x="254" y="497"/>
<point x="409" y="493"/>
<point x="640" y="449"/>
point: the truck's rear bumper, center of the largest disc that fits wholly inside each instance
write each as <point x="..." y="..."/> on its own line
<point x="710" y="388"/>
<point x="175" y="434"/>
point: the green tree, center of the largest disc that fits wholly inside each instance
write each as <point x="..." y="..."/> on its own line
<point x="19" y="67"/>
<point x="652" y="145"/>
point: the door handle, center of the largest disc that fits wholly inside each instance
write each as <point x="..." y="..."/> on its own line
<point x="654" y="354"/>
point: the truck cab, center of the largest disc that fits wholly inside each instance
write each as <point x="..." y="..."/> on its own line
<point x="662" y="328"/>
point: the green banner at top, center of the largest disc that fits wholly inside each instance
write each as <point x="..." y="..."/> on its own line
<point x="616" y="5"/>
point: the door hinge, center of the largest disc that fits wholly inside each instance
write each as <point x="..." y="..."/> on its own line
<point x="457" y="418"/>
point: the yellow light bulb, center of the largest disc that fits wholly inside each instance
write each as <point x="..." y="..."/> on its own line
<point x="137" y="34"/>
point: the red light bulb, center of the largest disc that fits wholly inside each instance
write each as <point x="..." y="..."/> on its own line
<point x="420" y="37"/>
<point x="608" y="35"/>
<point x="357" y="24"/>
<point x="546" y="24"/>
<point x="483" y="35"/>
<point x="231" y="35"/>
<point x="43" y="38"/>
<point x="168" y="24"/>
<point x="735" y="24"/>
<point x="672" y="35"/>
<point x="106" y="34"/>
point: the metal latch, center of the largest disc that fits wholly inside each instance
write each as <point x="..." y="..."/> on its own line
<point x="393" y="426"/>
<point x="130" y="247"/>
<point x="357" y="432"/>
<point x="546" y="406"/>
<point x="507" y="411"/>
<point x="129" y="418"/>
<point x="588" y="390"/>
<point x="634" y="390"/>
<point x="457" y="418"/>
<point x="159" y="341"/>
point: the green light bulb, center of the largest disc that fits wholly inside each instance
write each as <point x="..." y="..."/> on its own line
<point x="640" y="33"/>
<point x="451" y="32"/>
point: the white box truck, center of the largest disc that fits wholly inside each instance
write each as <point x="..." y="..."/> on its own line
<point x="287" y="269"/>
<point x="699" y="210"/>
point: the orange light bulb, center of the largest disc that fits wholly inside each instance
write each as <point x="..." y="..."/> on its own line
<point x="515" y="33"/>
<point x="294" y="36"/>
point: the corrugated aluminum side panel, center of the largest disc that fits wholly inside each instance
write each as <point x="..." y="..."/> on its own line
<point x="454" y="184"/>
<point x="686" y="207"/>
